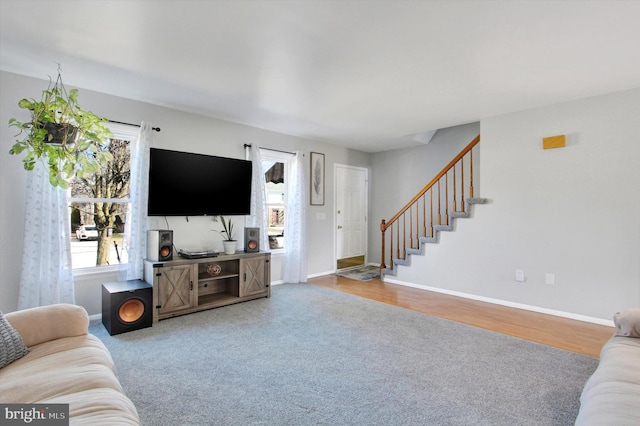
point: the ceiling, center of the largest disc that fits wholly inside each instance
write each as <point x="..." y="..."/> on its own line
<point x="370" y="75"/>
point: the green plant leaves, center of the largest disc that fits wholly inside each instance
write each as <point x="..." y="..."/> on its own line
<point x="80" y="157"/>
<point x="27" y="104"/>
<point x="227" y="229"/>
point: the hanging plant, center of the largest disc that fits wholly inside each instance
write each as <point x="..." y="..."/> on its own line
<point x="73" y="142"/>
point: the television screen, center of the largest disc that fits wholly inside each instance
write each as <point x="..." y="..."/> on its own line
<point x="186" y="184"/>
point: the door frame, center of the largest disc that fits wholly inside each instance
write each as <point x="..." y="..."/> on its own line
<point x="336" y="166"/>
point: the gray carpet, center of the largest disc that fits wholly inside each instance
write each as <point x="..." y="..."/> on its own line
<point x="313" y="356"/>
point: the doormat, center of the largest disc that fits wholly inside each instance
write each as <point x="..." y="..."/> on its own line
<point x="361" y="273"/>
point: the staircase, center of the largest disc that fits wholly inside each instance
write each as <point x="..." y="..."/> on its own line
<point x="449" y="196"/>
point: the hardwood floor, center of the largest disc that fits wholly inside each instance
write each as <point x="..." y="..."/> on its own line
<point x="571" y="335"/>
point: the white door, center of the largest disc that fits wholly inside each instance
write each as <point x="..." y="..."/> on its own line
<point x="351" y="211"/>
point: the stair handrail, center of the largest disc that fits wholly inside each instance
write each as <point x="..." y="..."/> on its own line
<point x="384" y="225"/>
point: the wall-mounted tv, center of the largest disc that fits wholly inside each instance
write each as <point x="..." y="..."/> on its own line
<point x="187" y="184"/>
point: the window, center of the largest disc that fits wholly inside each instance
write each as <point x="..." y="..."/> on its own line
<point x="276" y="167"/>
<point x="98" y="209"/>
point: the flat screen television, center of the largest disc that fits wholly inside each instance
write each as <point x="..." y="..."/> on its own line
<point x="187" y="184"/>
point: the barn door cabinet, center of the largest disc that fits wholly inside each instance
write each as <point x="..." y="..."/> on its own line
<point x="183" y="286"/>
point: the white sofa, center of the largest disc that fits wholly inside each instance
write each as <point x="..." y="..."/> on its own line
<point x="611" y="396"/>
<point x="64" y="365"/>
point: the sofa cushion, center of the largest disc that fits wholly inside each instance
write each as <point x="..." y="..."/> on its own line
<point x="611" y="395"/>
<point x="98" y="407"/>
<point x="65" y="365"/>
<point x="57" y="368"/>
<point x="627" y="323"/>
<point x="45" y="323"/>
<point x="11" y="346"/>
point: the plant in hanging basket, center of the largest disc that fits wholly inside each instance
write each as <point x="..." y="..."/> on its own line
<point x="60" y="133"/>
<point x="72" y="141"/>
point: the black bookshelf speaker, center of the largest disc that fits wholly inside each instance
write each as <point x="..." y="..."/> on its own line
<point x="251" y="240"/>
<point x="126" y="306"/>
<point x="159" y="245"/>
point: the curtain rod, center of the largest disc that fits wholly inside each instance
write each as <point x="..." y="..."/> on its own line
<point x="248" y="145"/>
<point x="157" y="129"/>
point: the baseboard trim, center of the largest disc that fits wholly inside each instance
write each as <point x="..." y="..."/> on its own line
<point x="321" y="274"/>
<point x="507" y="303"/>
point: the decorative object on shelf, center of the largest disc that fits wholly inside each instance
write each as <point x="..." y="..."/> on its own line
<point x="229" y="243"/>
<point x="71" y="141"/>
<point x="317" y="179"/>
<point x="214" y="269"/>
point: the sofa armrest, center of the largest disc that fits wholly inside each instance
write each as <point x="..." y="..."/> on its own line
<point x="46" y="323"/>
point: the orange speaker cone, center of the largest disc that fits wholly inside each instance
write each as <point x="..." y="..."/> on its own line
<point x="131" y="310"/>
<point x="165" y="251"/>
<point x="253" y="244"/>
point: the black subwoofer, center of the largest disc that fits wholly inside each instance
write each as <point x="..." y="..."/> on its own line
<point x="126" y="306"/>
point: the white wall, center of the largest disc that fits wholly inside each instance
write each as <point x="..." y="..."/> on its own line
<point x="572" y="212"/>
<point x="180" y="131"/>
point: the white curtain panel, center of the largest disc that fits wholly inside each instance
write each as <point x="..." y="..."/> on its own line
<point x="295" y="226"/>
<point x="47" y="276"/>
<point x="137" y="219"/>
<point x="258" y="216"/>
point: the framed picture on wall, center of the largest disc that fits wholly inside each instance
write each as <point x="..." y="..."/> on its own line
<point x="317" y="179"/>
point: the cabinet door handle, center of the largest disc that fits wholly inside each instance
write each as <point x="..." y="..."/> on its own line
<point x="191" y="286"/>
<point x="245" y="276"/>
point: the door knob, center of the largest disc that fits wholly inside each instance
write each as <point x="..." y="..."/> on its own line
<point x="339" y="226"/>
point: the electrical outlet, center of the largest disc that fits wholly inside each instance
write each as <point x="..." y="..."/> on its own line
<point x="520" y="275"/>
<point x="550" y="279"/>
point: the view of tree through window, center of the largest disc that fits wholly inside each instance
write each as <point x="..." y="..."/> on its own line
<point x="99" y="206"/>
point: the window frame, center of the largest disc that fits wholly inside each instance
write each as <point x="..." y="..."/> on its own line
<point x="284" y="158"/>
<point x="123" y="132"/>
